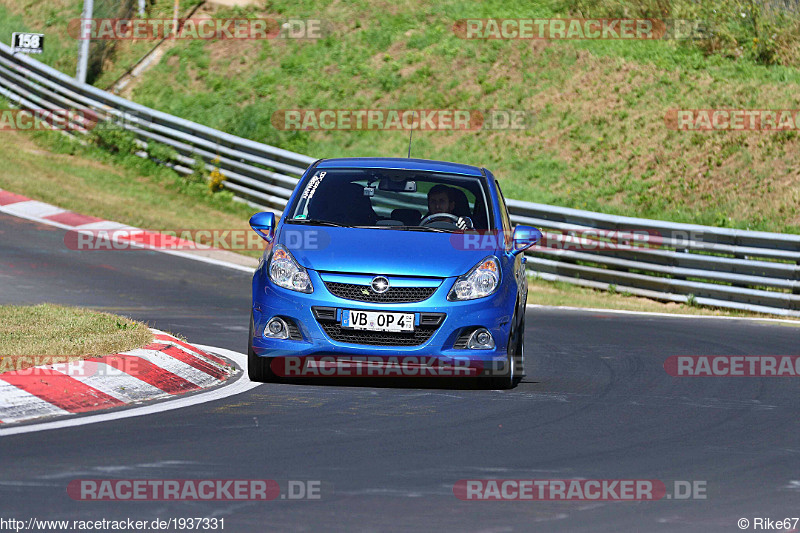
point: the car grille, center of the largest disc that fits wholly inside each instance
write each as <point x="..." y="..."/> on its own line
<point x="351" y="291"/>
<point x="294" y="331"/>
<point x="429" y="323"/>
<point x="377" y="338"/>
<point x="462" y="341"/>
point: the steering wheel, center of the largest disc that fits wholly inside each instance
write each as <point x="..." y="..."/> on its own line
<point x="433" y="217"/>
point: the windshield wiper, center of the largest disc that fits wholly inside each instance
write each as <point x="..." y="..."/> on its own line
<point x="317" y="222"/>
<point x="424" y="228"/>
<point x="407" y="228"/>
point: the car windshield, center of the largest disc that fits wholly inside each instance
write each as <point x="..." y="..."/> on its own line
<point x="393" y="199"/>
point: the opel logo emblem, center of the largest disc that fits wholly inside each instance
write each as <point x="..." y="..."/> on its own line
<point x="380" y="284"/>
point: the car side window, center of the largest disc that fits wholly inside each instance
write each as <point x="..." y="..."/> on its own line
<point x="504" y="213"/>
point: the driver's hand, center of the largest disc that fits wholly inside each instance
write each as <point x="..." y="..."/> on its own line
<point x="464" y="223"/>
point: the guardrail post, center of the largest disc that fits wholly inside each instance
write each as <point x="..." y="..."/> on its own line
<point x="83" y="42"/>
<point x="796" y="290"/>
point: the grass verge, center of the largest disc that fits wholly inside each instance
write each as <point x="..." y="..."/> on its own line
<point x="119" y="187"/>
<point x="48" y="334"/>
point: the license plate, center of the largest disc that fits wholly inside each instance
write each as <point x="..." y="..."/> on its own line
<point x="377" y="320"/>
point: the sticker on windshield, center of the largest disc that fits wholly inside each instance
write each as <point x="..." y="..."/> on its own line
<point x="313" y="184"/>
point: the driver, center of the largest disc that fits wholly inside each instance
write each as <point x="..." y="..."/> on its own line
<point x="442" y="199"/>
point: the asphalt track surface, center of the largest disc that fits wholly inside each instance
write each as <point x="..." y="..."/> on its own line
<point x="596" y="404"/>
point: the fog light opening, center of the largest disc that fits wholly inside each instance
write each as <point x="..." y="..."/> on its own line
<point x="276" y="329"/>
<point x="480" y="339"/>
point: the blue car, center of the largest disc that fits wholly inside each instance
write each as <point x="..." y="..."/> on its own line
<point x="394" y="260"/>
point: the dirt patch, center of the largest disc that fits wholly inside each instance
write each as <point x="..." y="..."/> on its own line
<point x="235" y="57"/>
<point x="395" y="51"/>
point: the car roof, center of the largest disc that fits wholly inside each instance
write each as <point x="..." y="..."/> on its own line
<point x="400" y="163"/>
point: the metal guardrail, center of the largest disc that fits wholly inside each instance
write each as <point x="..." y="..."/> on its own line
<point x="704" y="265"/>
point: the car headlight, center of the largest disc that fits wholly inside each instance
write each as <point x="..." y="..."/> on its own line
<point x="482" y="280"/>
<point x="285" y="272"/>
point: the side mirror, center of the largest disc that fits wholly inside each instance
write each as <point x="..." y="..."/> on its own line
<point x="524" y="237"/>
<point x="264" y="225"/>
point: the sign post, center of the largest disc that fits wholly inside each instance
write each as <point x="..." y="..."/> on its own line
<point x="27" y="43"/>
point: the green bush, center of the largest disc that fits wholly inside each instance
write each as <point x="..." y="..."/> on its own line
<point x="161" y="153"/>
<point x="200" y="174"/>
<point x="115" y="140"/>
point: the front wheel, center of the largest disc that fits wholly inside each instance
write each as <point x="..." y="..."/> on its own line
<point x="520" y="370"/>
<point x="259" y="369"/>
<point x="514" y="367"/>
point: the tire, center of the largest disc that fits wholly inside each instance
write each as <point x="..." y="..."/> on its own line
<point x="510" y="377"/>
<point x="520" y="370"/>
<point x="258" y="368"/>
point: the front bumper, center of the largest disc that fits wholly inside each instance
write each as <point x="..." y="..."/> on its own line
<point x="492" y="313"/>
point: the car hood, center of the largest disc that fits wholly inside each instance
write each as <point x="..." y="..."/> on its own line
<point x="381" y="251"/>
